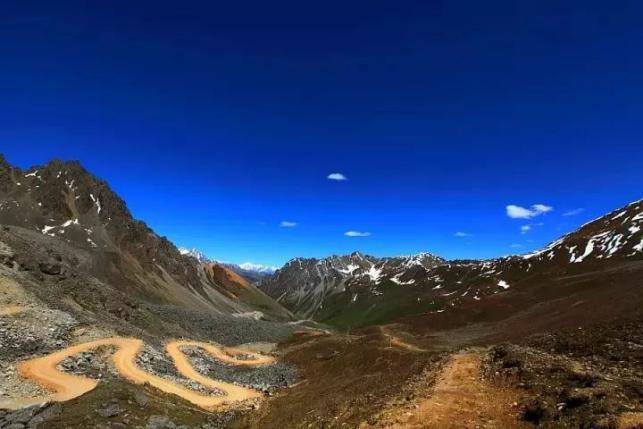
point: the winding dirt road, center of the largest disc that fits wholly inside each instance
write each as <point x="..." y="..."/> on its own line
<point x="44" y="370"/>
<point x="395" y="340"/>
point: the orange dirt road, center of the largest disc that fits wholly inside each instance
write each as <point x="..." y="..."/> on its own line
<point x="44" y="370"/>
<point x="459" y="399"/>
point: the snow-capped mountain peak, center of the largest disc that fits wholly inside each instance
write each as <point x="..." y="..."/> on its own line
<point x="195" y="253"/>
<point x="243" y="268"/>
<point x="259" y="268"/>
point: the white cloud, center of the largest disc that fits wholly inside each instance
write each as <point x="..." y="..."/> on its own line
<point x="573" y="212"/>
<point x="518" y="212"/>
<point x="337" y="176"/>
<point x="287" y="224"/>
<point x="542" y="208"/>
<point x="526" y="228"/>
<point x="516" y="246"/>
<point x="356" y="234"/>
<point x="462" y="234"/>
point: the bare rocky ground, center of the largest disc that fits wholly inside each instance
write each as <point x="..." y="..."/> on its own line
<point x="115" y="404"/>
<point x="156" y="362"/>
<point x="561" y="378"/>
<point x="266" y="379"/>
<point x="30" y="327"/>
<point x="53" y="274"/>
<point x="588" y="377"/>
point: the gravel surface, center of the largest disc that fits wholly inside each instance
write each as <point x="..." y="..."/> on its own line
<point x="156" y="362"/>
<point x="224" y="329"/>
<point x="31" y="417"/>
<point x="263" y="378"/>
<point x="94" y="364"/>
<point x="575" y="377"/>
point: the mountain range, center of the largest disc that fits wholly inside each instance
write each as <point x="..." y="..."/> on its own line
<point x="357" y="289"/>
<point x="550" y="338"/>
<point x="62" y="206"/>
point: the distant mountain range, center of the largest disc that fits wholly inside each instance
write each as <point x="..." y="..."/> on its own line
<point x="358" y="289"/>
<point x="253" y="272"/>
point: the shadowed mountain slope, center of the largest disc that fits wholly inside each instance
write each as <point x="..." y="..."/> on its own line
<point x="66" y="225"/>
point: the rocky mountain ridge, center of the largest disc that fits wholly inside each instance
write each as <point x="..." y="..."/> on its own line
<point x="64" y="221"/>
<point x="195" y="253"/>
<point x="336" y="288"/>
<point x="304" y="284"/>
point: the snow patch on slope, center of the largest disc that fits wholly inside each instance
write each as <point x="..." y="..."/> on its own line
<point x="503" y="284"/>
<point x="374" y="274"/>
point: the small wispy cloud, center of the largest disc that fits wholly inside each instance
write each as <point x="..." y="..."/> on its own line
<point x="518" y="212"/>
<point x="287" y="224"/>
<point x="515" y="246"/>
<point x="528" y="227"/>
<point x="574" y="212"/>
<point x="337" y="176"/>
<point x="462" y="234"/>
<point x="356" y="234"/>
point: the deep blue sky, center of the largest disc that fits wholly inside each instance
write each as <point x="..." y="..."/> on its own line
<point x="217" y="121"/>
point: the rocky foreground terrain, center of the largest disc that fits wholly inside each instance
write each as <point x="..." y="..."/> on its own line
<point x="548" y="339"/>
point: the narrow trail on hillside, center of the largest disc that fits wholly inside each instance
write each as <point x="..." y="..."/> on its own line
<point x="395" y="340"/>
<point x="44" y="371"/>
<point x="459" y="399"/>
